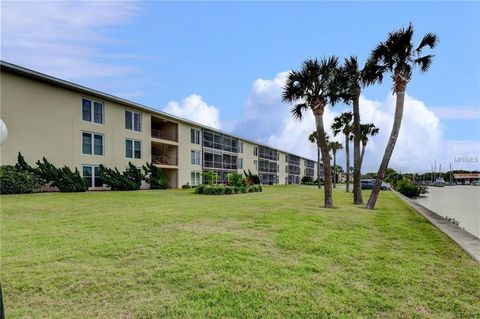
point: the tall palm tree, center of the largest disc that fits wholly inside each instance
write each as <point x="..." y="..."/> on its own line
<point x="334" y="147"/>
<point x="313" y="138"/>
<point x="366" y="130"/>
<point x="343" y="124"/>
<point x="313" y="88"/>
<point x="352" y="80"/>
<point x="398" y="56"/>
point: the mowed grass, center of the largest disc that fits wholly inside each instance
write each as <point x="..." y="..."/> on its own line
<point x="276" y="254"/>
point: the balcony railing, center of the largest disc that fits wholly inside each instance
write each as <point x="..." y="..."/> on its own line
<point x="164" y="159"/>
<point x="164" y="135"/>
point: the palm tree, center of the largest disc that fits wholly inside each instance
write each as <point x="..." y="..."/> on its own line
<point x="334" y="147"/>
<point x="343" y="123"/>
<point x="352" y="80"/>
<point x="313" y="138"/>
<point x="314" y="87"/>
<point x="366" y="130"/>
<point x="398" y="56"/>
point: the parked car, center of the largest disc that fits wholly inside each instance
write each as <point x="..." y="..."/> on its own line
<point x="367" y="183"/>
<point x="385" y="186"/>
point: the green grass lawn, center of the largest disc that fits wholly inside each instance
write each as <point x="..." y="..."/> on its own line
<point x="276" y="254"/>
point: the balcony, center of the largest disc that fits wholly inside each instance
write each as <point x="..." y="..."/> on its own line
<point x="164" y="159"/>
<point x="164" y="154"/>
<point x="163" y="135"/>
<point x="164" y="130"/>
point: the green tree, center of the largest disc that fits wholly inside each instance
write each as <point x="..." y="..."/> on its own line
<point x="155" y="176"/>
<point x="343" y="124"/>
<point x="334" y="147"/>
<point x="210" y="177"/>
<point x="313" y="88"/>
<point x="398" y="56"/>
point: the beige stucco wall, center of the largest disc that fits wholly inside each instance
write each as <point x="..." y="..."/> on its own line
<point x="248" y="158"/>
<point x="45" y="120"/>
<point x="184" y="153"/>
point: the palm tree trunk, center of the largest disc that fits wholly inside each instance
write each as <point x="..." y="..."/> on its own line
<point x="357" y="165"/>
<point x="322" y="144"/>
<point x="397" y="121"/>
<point x="347" y="153"/>
<point x="334" y="169"/>
<point x="364" y="145"/>
<point x="318" y="167"/>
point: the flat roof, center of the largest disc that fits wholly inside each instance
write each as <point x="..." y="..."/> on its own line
<point x="16" y="69"/>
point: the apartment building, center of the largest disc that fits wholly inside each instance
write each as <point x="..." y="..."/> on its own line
<point x="80" y="127"/>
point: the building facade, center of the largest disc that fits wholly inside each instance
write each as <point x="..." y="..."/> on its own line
<point x="80" y="127"/>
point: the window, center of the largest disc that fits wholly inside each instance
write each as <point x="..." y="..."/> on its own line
<point x="91" y="174"/>
<point x="255" y="164"/>
<point x="255" y="151"/>
<point x="133" y="149"/>
<point x="133" y="121"/>
<point x="241" y="147"/>
<point x="240" y="163"/>
<point x="196" y="180"/>
<point x="195" y="136"/>
<point x="195" y="157"/>
<point x="97" y="111"/>
<point x="92" y="143"/>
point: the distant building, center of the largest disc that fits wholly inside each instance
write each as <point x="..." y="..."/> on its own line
<point x="465" y="178"/>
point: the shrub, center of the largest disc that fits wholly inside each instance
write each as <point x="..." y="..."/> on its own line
<point x="235" y="179"/>
<point x="155" y="176"/>
<point x="186" y="186"/>
<point x="229" y="190"/>
<point x="16" y="181"/>
<point x="62" y="178"/>
<point x="309" y="183"/>
<point x="131" y="179"/>
<point x="260" y="188"/>
<point x="252" y="178"/>
<point x="408" y="189"/>
<point x="307" y="179"/>
<point x="200" y="189"/>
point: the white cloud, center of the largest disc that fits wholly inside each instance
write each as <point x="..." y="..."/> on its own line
<point x="195" y="109"/>
<point x="458" y="112"/>
<point x="267" y="120"/>
<point x="65" y="38"/>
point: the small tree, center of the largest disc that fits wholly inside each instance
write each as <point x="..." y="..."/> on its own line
<point x="234" y="179"/>
<point x="210" y="177"/>
<point x="155" y="176"/>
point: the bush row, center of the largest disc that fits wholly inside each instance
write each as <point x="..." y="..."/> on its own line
<point x="226" y="190"/>
<point x="22" y="178"/>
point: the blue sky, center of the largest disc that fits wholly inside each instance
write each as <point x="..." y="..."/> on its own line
<point x="161" y="53"/>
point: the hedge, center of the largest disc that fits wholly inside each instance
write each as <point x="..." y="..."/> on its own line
<point x="226" y="190"/>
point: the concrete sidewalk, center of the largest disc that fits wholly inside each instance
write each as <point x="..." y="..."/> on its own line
<point x="464" y="239"/>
